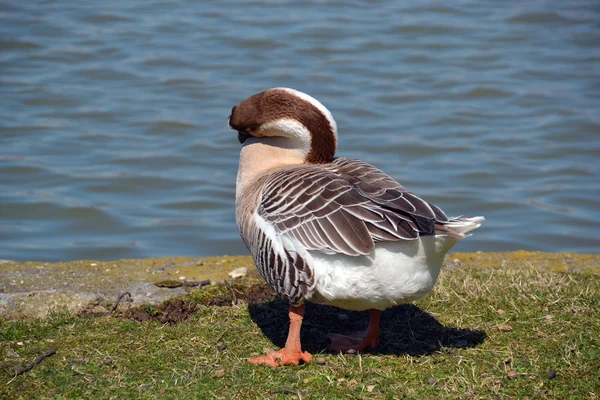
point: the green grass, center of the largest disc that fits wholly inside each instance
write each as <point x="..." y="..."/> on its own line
<point x="446" y="346"/>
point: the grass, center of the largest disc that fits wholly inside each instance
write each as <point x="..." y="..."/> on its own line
<point x="495" y="326"/>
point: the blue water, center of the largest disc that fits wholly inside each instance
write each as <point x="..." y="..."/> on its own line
<point x="113" y="116"/>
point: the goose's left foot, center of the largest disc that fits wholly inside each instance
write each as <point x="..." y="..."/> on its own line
<point x="359" y="341"/>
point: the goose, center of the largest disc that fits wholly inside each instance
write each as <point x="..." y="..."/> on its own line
<point x="327" y="230"/>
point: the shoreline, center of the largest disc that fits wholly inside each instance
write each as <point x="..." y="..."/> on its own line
<point x="37" y="289"/>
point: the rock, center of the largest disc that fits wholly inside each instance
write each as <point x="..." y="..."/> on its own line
<point x="432" y="381"/>
<point x="504" y="328"/>
<point x="238" y="273"/>
<point x="552" y="374"/>
<point x="320" y="360"/>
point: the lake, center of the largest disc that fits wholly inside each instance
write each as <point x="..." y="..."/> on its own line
<point x="114" y="140"/>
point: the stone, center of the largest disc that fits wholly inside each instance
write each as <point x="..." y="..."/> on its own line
<point x="238" y="273"/>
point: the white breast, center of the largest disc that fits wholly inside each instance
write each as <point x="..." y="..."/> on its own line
<point x="395" y="273"/>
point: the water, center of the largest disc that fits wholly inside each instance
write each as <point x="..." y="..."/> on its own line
<point x="113" y="135"/>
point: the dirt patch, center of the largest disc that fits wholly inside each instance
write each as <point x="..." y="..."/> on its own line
<point x="178" y="310"/>
<point x="256" y="293"/>
<point x="170" y="312"/>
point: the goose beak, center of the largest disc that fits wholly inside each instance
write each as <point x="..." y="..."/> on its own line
<point x="243" y="136"/>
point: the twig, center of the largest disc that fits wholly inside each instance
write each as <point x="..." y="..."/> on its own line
<point x="114" y="307"/>
<point x="19" y="370"/>
<point x="234" y="297"/>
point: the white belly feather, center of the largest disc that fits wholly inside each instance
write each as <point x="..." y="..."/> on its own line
<point x="395" y="273"/>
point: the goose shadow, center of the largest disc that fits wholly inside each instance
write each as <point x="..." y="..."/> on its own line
<point x="404" y="329"/>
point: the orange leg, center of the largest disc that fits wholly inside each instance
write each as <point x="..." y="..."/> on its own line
<point x="292" y="353"/>
<point x="358" y="341"/>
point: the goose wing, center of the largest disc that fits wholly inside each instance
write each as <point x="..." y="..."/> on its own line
<point x="344" y="207"/>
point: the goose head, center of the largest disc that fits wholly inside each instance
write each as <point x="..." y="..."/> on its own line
<point x="301" y="121"/>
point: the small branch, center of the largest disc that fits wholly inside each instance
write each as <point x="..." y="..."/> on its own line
<point x="19" y="370"/>
<point x="114" y="307"/>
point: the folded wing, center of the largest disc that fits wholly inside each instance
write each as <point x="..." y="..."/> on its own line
<point x="345" y="207"/>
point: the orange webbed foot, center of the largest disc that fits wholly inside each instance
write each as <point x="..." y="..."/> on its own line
<point x="282" y="357"/>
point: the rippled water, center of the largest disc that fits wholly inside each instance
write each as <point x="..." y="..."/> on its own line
<point x="113" y="135"/>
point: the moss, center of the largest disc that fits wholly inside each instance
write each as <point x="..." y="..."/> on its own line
<point x="169" y="283"/>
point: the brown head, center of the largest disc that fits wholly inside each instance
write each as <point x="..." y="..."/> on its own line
<point x="287" y="113"/>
